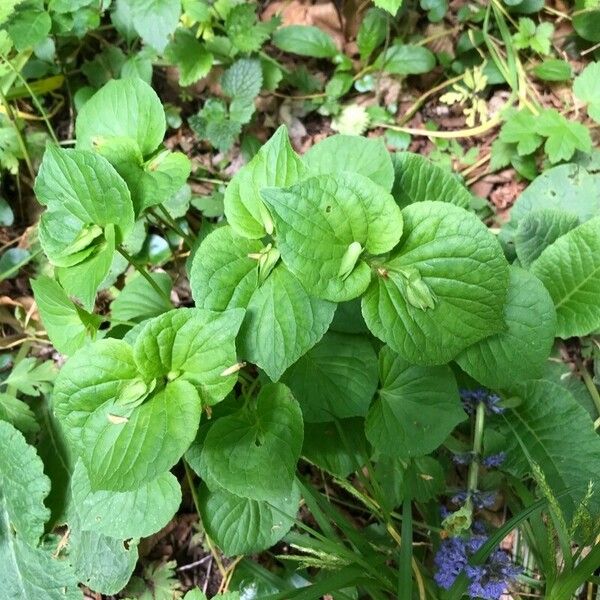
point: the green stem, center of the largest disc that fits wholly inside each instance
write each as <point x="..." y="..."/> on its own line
<point x="174" y="226"/>
<point x="473" y="477"/>
<point x="21" y="354"/>
<point x="589" y="384"/>
<point x="20" y="139"/>
<point x="406" y="554"/>
<point x="142" y="271"/>
<point x="189" y="475"/>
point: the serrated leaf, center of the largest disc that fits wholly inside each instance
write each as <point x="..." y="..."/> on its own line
<point x="586" y="88"/>
<point x="305" y="40"/>
<point x="416" y="407"/>
<point x="366" y="156"/>
<point x="372" y="32"/>
<point x="392" y="6"/>
<point x="60" y="316"/>
<point x="242" y="82"/>
<point x="262" y="445"/>
<point x="318" y="220"/>
<point x="563" y="136"/>
<point x="518" y="353"/>
<point x="243" y="526"/>
<point x="245" y="32"/>
<point x="126" y="108"/>
<point x="570" y="270"/>
<point x="336" y="379"/>
<point x="442" y="290"/>
<point x="123" y="515"/>
<point x="18" y="414"/>
<point x="546" y="422"/>
<point x="520" y="129"/>
<point x="214" y="123"/>
<point x="155" y="20"/>
<point x="32" y="378"/>
<point x="275" y="165"/>
<point x="417" y="179"/>
<point x="190" y="57"/>
<point x="139" y="301"/>
<point x="101" y="563"/>
<point x="539" y="229"/>
<point x="23" y="487"/>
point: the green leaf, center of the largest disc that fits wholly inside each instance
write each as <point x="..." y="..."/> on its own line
<point x="536" y="37"/>
<point x="417" y="179"/>
<point x="31" y="377"/>
<point x="86" y="186"/>
<point x="305" y="40"/>
<point x="319" y="223"/>
<point x="190" y="57"/>
<point x="123" y="455"/>
<point x="139" y="301"/>
<point x="550" y="423"/>
<point x="371" y="33"/>
<point x="28" y="28"/>
<point x="518" y="353"/>
<point x="123" y="515"/>
<point x="416" y="408"/>
<point x="443" y="290"/>
<point x="245" y="32"/>
<point x="101" y="563"/>
<point x="366" y="156"/>
<point x="339" y="447"/>
<point x="195" y="344"/>
<point x="392" y="6"/>
<point x="243" y="526"/>
<point x="570" y="270"/>
<point x="336" y="379"/>
<point x="254" y="451"/>
<point x="564" y="136"/>
<point x="61" y="317"/>
<point x="155" y="20"/>
<point x="23" y="487"/>
<point x="274" y="165"/>
<point x="586" y="88"/>
<point x="520" y="129"/>
<point x="554" y="69"/>
<point x="404" y="59"/>
<point x="126" y="108"/>
<point x="214" y="124"/>
<point x="539" y="229"/>
<point x="18" y="414"/>
<point x="282" y="323"/>
<point x="242" y="82"/>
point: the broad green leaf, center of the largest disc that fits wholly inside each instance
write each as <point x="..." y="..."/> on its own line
<point x="570" y="270"/>
<point x="242" y="82"/>
<point x="282" y="323"/>
<point x="563" y="136"/>
<point x="519" y="352"/>
<point x="243" y="526"/>
<point x="539" y="229"/>
<point x="139" y="301"/>
<point x="392" y="6"/>
<point x="30" y="573"/>
<point x="101" y="563"/>
<point x="442" y="290"/>
<point x="124" y="447"/>
<point x="336" y="379"/>
<point x="324" y="223"/>
<point x="372" y="32"/>
<point x="136" y="513"/>
<point x="189" y="56"/>
<point x="550" y="424"/>
<point x="155" y="20"/>
<point x="366" y="156"/>
<point x="126" y="108"/>
<point x="86" y="186"/>
<point x="586" y="20"/>
<point x="23" y="487"/>
<point x="254" y="451"/>
<point x="586" y="88"/>
<point x="520" y="129"/>
<point x="60" y="316"/>
<point x="28" y="28"/>
<point x="554" y="69"/>
<point x="417" y="179"/>
<point x="406" y="59"/>
<point x="274" y="165"/>
<point x="305" y="40"/>
<point x="18" y="414"/>
<point x="416" y="408"/>
<point x="195" y="344"/>
<point x="339" y="447"/>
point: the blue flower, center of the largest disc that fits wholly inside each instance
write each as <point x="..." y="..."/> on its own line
<point x="493" y="460"/>
<point x="471" y="398"/>
<point x="479" y="499"/>
<point x="450" y="560"/>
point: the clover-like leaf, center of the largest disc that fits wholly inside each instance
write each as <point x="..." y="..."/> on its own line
<point x="253" y="452"/>
<point x="442" y="290"/>
<point x="319" y="223"/>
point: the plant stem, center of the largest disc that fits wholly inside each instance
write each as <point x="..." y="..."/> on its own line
<point x="473" y="477"/>
<point x="170" y="221"/>
<point x="142" y="271"/>
<point x="406" y="553"/>
<point x="589" y="383"/>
